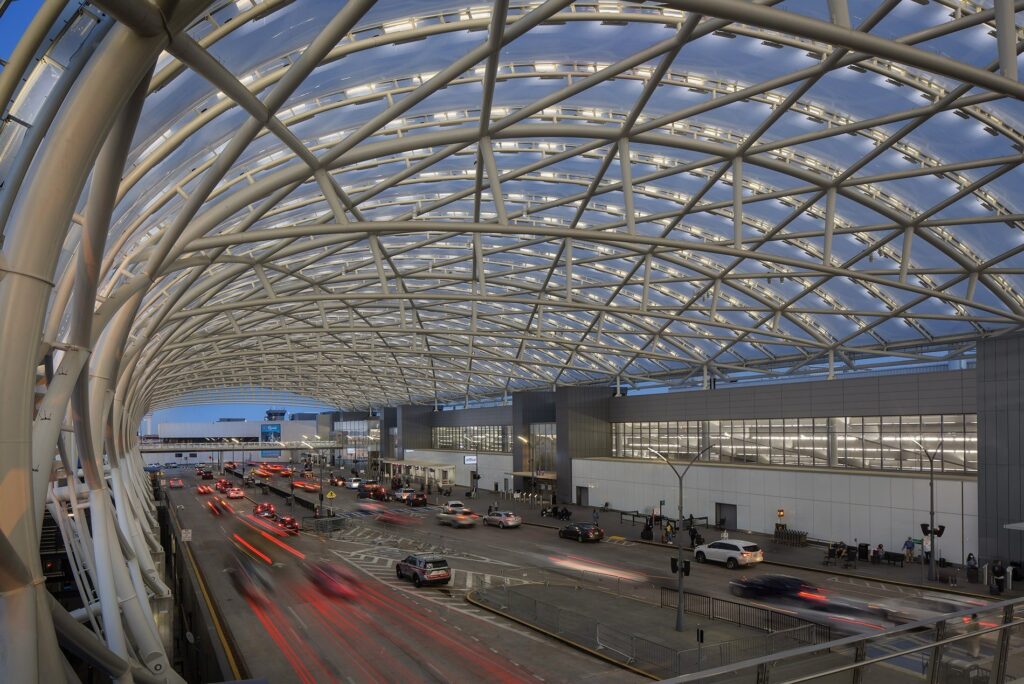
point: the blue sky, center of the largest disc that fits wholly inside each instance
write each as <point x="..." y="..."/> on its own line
<point x="208" y="413"/>
<point x="13" y="21"/>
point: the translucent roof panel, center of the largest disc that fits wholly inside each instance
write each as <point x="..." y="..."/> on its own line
<point x="372" y="203"/>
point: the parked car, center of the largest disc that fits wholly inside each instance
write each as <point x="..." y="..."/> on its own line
<point x="403" y="493"/>
<point x="416" y="500"/>
<point x="581" y="532"/>
<point x="236" y="493"/>
<point x="772" y="586"/>
<point x="503" y="519"/>
<point x="732" y="552"/>
<point x="424" y="568"/>
<point x="452" y="506"/>
<point x="458" y="517"/>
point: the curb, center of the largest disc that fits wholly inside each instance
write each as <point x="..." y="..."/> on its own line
<point x="842" y="573"/>
<point x="579" y="647"/>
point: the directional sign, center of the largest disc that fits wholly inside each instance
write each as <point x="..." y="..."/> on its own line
<point x="331" y="494"/>
<point x="186" y="535"/>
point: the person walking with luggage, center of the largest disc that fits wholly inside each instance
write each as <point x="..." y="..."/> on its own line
<point x="998" y="577"/>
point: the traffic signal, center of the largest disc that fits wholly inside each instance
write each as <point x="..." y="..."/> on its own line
<point x="475" y="475"/>
<point x="674" y="563"/>
<point x="939" y="530"/>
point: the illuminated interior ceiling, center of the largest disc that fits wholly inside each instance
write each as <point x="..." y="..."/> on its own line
<point x="463" y="200"/>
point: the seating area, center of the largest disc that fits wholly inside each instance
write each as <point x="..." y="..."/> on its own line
<point x="893" y="558"/>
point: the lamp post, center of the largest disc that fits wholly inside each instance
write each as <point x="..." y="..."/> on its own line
<point x="932" y="575"/>
<point x="679" y="537"/>
<point x="320" y="460"/>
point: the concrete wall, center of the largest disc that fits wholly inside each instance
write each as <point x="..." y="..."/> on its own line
<point x="1000" y="438"/>
<point x="829" y="505"/>
<point x="583" y="431"/>
<point x="414" y="423"/>
<point x="912" y="394"/>
<point x="492" y="467"/>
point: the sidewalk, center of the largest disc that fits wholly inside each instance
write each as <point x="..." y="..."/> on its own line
<point x="809" y="557"/>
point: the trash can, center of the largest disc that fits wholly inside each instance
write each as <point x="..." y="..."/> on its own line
<point x="863" y="551"/>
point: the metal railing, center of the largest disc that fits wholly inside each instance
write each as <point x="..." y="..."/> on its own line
<point x="650" y="656"/>
<point x="969" y="647"/>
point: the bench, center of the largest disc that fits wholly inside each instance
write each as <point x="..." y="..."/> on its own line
<point x="893" y="557"/>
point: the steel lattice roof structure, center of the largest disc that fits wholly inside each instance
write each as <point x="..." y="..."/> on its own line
<point x="371" y="203"/>
<point x="461" y="200"/>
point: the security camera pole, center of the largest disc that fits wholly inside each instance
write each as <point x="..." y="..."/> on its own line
<point x="679" y="537"/>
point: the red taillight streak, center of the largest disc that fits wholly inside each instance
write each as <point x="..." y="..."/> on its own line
<point x="263" y="523"/>
<point x="264" y="557"/>
<point x="295" y="552"/>
<point x="282" y="644"/>
<point x="338" y="625"/>
<point x="402" y="612"/>
<point x="812" y="596"/>
<point x="301" y="644"/>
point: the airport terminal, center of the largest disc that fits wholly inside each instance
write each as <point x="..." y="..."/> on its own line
<point x="554" y="340"/>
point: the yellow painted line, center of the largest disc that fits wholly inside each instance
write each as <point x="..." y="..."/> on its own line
<point x="616" y="537"/>
<point x="581" y="647"/>
<point x="228" y="650"/>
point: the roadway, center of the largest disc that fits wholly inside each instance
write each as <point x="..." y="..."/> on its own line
<point x="432" y="634"/>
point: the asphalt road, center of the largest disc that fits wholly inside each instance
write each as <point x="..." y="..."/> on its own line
<point x="431" y="634"/>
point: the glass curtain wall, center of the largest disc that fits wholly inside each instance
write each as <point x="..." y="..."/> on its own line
<point x="865" y="443"/>
<point x="361" y="438"/>
<point x="495" y="438"/>
<point x="542" y="447"/>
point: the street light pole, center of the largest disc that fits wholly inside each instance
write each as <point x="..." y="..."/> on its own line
<point x="932" y="575"/>
<point x="679" y="538"/>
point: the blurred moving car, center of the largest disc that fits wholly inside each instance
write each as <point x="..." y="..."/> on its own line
<point x="206" y="474"/>
<point x="250" y="580"/>
<point x="337" y="481"/>
<point x="503" y="519"/>
<point x="459" y="517"/>
<point x="581" y="532"/>
<point x="416" y="500"/>
<point x="236" y="493"/>
<point x="265" y="510"/>
<point x="332" y="579"/>
<point x="774" y="586"/>
<point x="732" y="552"/>
<point x="221" y="485"/>
<point x="288" y="524"/>
<point x="204" y="489"/>
<point x="175" y="484"/>
<point x="424" y="568"/>
<point x="452" y="506"/>
<point x="354" y="483"/>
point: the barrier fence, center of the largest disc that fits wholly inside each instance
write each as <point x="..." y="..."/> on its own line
<point x="782" y="631"/>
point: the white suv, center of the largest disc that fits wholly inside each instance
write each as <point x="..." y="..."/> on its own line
<point x="732" y="552"/>
<point x="353" y="483"/>
<point x="453" y="506"/>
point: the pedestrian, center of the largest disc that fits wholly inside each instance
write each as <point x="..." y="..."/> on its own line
<point x="691" y="521"/>
<point x="725" y="534"/>
<point x="926" y="548"/>
<point x="998" y="576"/>
<point x="908" y="550"/>
<point x="972" y="562"/>
<point x="596" y="516"/>
<point x="664" y="536"/>
<point x="974" y="642"/>
<point x="490" y="509"/>
<point x="693" y="536"/>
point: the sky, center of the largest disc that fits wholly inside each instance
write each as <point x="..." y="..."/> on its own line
<point x="208" y="413"/>
<point x="15" y="17"/>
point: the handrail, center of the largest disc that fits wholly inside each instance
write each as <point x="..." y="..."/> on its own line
<point x="734" y="668"/>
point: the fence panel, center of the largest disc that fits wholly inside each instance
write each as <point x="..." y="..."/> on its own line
<point x="613" y="640"/>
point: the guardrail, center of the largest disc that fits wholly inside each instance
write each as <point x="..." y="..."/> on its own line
<point x="649" y="656"/>
<point x="970" y="646"/>
<point x="324" y="525"/>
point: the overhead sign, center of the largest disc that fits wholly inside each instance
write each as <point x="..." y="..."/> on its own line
<point x="469" y="460"/>
<point x="186" y="535"/>
<point x="331" y="494"/>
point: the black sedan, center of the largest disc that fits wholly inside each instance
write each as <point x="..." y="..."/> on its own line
<point x="773" y="586"/>
<point x="582" y="532"/>
<point x="416" y="500"/>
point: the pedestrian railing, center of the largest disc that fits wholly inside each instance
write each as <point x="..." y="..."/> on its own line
<point x="324" y="525"/>
<point x="651" y="656"/>
<point x="980" y="644"/>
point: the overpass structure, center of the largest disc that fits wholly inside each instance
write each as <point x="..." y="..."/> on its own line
<point x="228" y="446"/>
<point x="383" y="203"/>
